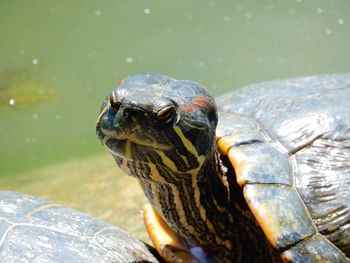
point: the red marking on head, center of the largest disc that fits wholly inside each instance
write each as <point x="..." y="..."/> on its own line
<point x="202" y="102"/>
<point x="188" y="108"/>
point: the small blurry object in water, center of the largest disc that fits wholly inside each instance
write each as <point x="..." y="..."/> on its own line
<point x="19" y="88"/>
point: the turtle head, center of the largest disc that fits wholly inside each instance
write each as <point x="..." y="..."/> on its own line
<point x="154" y="119"/>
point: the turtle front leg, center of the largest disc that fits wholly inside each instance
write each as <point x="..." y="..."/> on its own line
<point x="168" y="244"/>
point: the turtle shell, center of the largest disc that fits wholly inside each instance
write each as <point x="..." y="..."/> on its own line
<point x="289" y="145"/>
<point x="36" y="230"/>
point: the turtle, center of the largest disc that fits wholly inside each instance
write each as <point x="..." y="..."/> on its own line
<point x="36" y="230"/>
<point x="259" y="174"/>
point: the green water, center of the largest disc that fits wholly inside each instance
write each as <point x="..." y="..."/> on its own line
<point x="81" y="49"/>
<point x="86" y="47"/>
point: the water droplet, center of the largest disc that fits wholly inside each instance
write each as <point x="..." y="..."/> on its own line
<point x="189" y="16"/>
<point x="299" y="1"/>
<point x="319" y="10"/>
<point x="147" y="11"/>
<point x="12" y="102"/>
<point x="328" y="31"/>
<point x="98" y="12"/>
<point x="129" y="59"/>
<point x="269" y="6"/>
<point x="260" y="60"/>
<point x="58" y="117"/>
<point x="340" y="21"/>
<point x="35" y="116"/>
<point x="21" y="51"/>
<point x="227" y="18"/>
<point x="35" y="61"/>
<point x="248" y="15"/>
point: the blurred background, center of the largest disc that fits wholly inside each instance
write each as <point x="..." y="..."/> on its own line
<point x="60" y="58"/>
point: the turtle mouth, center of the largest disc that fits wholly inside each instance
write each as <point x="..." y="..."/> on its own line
<point x="131" y="138"/>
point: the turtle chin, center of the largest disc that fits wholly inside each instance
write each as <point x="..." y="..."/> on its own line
<point x="115" y="147"/>
<point x="134" y="159"/>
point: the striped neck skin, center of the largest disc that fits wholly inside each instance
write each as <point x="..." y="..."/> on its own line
<point x="202" y="208"/>
<point x="162" y="131"/>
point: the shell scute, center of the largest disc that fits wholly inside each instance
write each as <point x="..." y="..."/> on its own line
<point x="280" y="212"/>
<point x="260" y="163"/>
<point x="315" y="249"/>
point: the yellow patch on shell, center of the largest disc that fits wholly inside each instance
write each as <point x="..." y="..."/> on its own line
<point x="280" y="212"/>
<point x="240" y="163"/>
<point x="267" y="220"/>
<point x="226" y="143"/>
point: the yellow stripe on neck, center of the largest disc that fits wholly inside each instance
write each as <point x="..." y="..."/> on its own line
<point x="167" y="161"/>
<point x="188" y="144"/>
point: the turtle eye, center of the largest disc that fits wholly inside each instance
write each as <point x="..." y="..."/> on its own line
<point x="115" y="104"/>
<point x="166" y="114"/>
